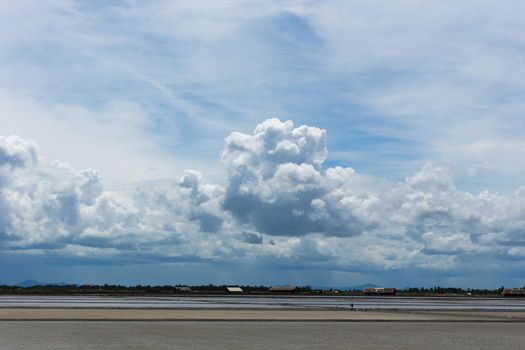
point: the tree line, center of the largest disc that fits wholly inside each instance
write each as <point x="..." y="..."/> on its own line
<point x="118" y="289"/>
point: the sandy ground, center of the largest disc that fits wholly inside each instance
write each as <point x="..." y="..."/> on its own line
<point x="52" y="328"/>
<point x="257" y="315"/>
<point x="15" y="335"/>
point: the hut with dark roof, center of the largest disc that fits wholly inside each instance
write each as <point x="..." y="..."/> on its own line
<point x="513" y="292"/>
<point x="283" y="289"/>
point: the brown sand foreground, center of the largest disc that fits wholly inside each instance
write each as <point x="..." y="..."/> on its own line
<point x="204" y="335"/>
<point x="50" y="329"/>
<point x="54" y="314"/>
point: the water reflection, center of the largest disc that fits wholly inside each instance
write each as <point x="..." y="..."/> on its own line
<point x="265" y="302"/>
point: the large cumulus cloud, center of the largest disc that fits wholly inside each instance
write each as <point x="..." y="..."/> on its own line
<point x="279" y="202"/>
<point x="276" y="183"/>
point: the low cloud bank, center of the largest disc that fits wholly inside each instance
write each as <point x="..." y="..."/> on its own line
<point x="279" y="203"/>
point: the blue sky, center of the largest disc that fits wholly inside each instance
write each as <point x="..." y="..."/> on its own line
<point x="408" y="172"/>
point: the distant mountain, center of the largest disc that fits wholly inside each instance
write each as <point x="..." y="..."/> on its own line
<point x="33" y="283"/>
<point x="30" y="283"/>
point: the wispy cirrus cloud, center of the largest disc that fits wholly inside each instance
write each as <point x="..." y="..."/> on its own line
<point x="408" y="88"/>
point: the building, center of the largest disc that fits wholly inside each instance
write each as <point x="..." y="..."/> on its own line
<point x="234" y="289"/>
<point x="379" y="291"/>
<point x="513" y="292"/>
<point x="182" y="289"/>
<point x="283" y="289"/>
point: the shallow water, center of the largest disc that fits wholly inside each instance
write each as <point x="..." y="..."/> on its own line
<point x="265" y="302"/>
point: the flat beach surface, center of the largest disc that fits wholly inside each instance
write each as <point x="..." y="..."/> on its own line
<point x="259" y="335"/>
<point x="287" y="328"/>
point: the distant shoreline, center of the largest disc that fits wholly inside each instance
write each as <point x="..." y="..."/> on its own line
<point x="261" y="294"/>
<point x="222" y="290"/>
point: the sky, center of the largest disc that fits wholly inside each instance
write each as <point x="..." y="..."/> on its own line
<point x="325" y="143"/>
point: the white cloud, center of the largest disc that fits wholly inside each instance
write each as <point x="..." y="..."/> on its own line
<point x="50" y="204"/>
<point x="278" y="185"/>
<point x="279" y="203"/>
<point x="16" y="152"/>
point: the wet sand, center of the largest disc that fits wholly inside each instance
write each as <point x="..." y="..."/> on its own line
<point x="266" y="302"/>
<point x="58" y="314"/>
<point x="259" y="335"/>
